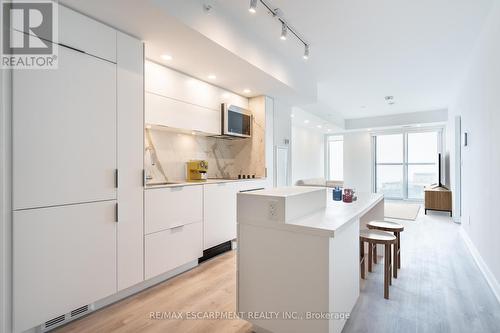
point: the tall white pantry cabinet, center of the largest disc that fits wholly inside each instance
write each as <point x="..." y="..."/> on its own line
<point x="77" y="173"/>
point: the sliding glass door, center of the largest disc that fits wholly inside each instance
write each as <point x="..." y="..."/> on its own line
<point x="389" y="165"/>
<point x="422" y="167"/>
<point x="406" y="162"/>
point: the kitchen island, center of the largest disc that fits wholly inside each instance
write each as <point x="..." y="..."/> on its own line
<point x="298" y="257"/>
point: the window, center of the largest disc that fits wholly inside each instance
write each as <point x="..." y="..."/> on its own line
<point x="389" y="157"/>
<point x="405" y="163"/>
<point x="335" y="158"/>
<point x="422" y="162"/>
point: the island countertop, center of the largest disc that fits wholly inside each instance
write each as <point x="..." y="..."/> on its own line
<point x="324" y="220"/>
<point x="338" y="213"/>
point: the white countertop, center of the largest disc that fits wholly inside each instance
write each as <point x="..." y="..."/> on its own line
<point x="208" y="181"/>
<point x="297" y="210"/>
<point x="338" y="213"/>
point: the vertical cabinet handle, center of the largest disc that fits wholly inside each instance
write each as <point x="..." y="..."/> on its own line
<point x="116" y="212"/>
<point x="116" y="178"/>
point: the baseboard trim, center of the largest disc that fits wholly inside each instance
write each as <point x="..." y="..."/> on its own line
<point x="488" y="275"/>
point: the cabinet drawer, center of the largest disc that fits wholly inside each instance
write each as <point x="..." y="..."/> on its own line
<point x="167" y="208"/>
<point x="169" y="249"/>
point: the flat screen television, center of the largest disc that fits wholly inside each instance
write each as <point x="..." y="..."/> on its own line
<point x="439" y="184"/>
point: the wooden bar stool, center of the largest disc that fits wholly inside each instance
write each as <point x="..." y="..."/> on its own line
<point x="374" y="237"/>
<point x="395" y="228"/>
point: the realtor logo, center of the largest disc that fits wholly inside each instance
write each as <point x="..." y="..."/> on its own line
<point x="29" y="35"/>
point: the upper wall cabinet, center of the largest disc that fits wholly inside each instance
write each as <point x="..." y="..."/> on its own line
<point x="182" y="102"/>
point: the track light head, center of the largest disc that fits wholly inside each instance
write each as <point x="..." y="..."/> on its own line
<point x="306" y="51"/>
<point x="284" y="31"/>
<point x="253" y="6"/>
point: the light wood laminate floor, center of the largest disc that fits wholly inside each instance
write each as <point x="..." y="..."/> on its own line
<point x="439" y="289"/>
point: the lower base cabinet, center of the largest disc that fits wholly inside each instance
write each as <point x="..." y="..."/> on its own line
<point x="168" y="249"/>
<point x="63" y="258"/>
<point x="219" y="213"/>
<point x="219" y="210"/>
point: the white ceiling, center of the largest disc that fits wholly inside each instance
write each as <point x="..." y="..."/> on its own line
<point x="361" y="50"/>
<point x="192" y="52"/>
<point x="364" y="50"/>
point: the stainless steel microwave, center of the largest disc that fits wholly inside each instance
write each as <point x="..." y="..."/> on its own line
<point x="236" y="122"/>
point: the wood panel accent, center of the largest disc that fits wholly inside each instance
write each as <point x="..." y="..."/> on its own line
<point x="438" y="198"/>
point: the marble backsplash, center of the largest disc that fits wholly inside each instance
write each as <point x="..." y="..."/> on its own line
<point x="166" y="154"/>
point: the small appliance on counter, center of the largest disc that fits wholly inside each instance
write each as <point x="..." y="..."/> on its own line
<point x="197" y="170"/>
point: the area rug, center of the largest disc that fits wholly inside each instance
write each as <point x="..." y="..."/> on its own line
<point x="402" y="211"/>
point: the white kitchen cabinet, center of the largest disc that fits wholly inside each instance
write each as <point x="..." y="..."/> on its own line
<point x="165" y="111"/>
<point x="219" y="213"/>
<point x="130" y="152"/>
<point x="251" y="185"/>
<point x="164" y="81"/>
<point x="63" y="258"/>
<point x="184" y="103"/>
<point x="219" y="210"/>
<point x="83" y="33"/>
<point x="64" y="132"/>
<point x="171" y="248"/>
<point x="171" y="207"/>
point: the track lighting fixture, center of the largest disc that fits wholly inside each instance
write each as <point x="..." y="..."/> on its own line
<point x="284" y="31"/>
<point x="253" y="6"/>
<point x="277" y="14"/>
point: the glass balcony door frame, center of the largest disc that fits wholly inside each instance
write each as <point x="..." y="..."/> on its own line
<point x="440" y="134"/>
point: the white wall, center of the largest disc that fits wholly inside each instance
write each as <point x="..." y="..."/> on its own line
<point x="282" y="133"/>
<point x="478" y="103"/>
<point x="358" y="161"/>
<point x="308" y="153"/>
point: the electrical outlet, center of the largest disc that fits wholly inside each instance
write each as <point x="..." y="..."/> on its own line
<point x="273" y="210"/>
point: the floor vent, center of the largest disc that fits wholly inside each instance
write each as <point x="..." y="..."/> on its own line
<point x="55" y="321"/>
<point x="79" y="311"/>
<point x="65" y="318"/>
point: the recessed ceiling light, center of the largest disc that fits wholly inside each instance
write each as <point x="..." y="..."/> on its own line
<point x="193" y="133"/>
<point x="212" y="76"/>
<point x="166" y="57"/>
<point x="292" y="116"/>
<point x="247" y="91"/>
<point x="306" y="121"/>
<point x="329" y="130"/>
<point x="368" y="129"/>
<point x="319" y="126"/>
